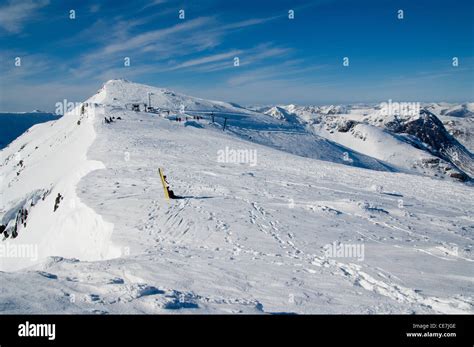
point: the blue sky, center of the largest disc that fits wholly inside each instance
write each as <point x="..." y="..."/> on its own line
<point x="282" y="60"/>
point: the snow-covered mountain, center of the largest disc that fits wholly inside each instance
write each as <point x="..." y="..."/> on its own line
<point x="458" y="120"/>
<point x="278" y="113"/>
<point x="452" y="110"/>
<point x="277" y="215"/>
<point x="411" y="143"/>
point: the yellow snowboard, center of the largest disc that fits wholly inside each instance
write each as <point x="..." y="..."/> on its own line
<point x="165" y="188"/>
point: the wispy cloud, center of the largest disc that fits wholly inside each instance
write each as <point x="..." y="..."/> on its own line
<point x="153" y="3"/>
<point x="208" y="59"/>
<point x="176" y="47"/>
<point x="14" y="14"/>
<point x="290" y="69"/>
<point x="146" y="39"/>
<point x="257" y="55"/>
<point x="247" y="23"/>
<point x="265" y="51"/>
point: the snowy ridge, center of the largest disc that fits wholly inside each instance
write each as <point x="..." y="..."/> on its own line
<point x="249" y="125"/>
<point x="120" y="93"/>
<point x="49" y="160"/>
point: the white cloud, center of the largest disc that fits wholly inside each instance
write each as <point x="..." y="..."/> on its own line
<point x="289" y="69"/>
<point x="141" y="41"/>
<point x="154" y="3"/>
<point x="247" y="23"/>
<point x="207" y="59"/>
<point x="222" y="61"/>
<point x="14" y="15"/>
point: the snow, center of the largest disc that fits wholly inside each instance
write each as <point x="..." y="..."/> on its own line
<point x="245" y="239"/>
<point x="377" y="143"/>
<point x="54" y="156"/>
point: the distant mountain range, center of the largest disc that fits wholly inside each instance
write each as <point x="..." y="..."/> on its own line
<point x="436" y="141"/>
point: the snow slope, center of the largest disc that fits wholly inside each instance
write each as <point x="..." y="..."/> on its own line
<point x="245" y="239"/>
<point x="50" y="159"/>
<point x="377" y="143"/>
